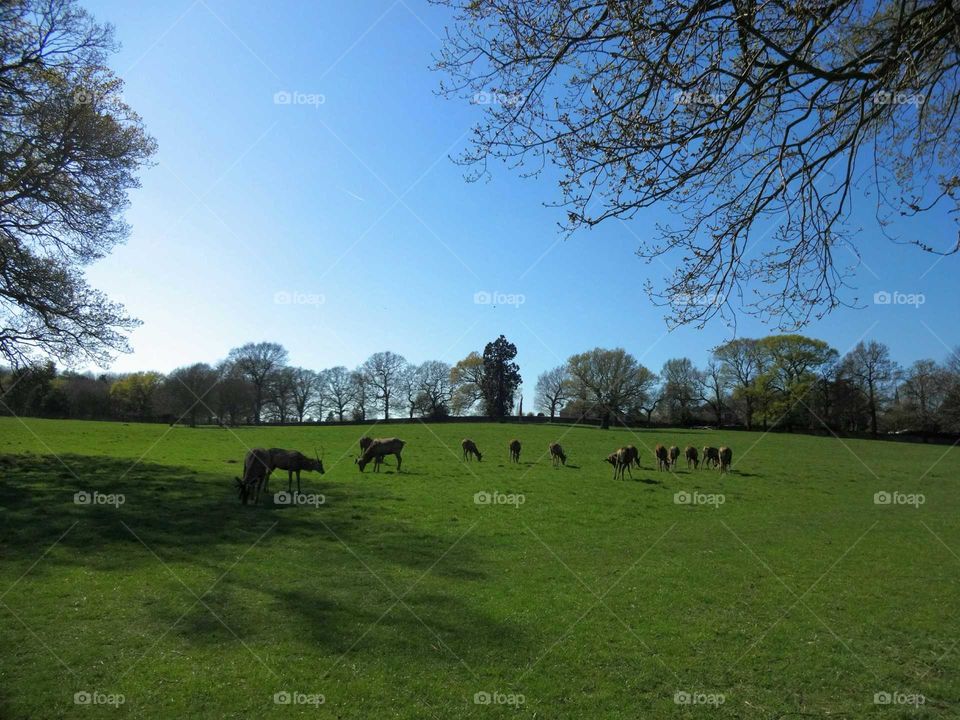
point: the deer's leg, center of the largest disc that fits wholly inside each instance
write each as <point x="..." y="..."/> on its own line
<point x="399" y="460"/>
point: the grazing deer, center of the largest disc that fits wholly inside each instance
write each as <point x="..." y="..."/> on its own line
<point x="515" y="451"/>
<point x="726" y="459"/>
<point x="293" y="462"/>
<point x="378" y="449"/>
<point x="674" y="454"/>
<point x="620" y="459"/>
<point x="470" y="449"/>
<point x="663" y="461"/>
<point x="692" y="457"/>
<point x="256" y="467"/>
<point x="711" y="456"/>
<point x="556" y="454"/>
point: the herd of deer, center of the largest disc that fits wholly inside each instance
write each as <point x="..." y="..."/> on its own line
<point x="260" y="463"/>
<point x="624" y="458"/>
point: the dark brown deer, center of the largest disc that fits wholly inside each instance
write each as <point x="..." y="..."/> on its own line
<point x="620" y="459"/>
<point x="674" y="454"/>
<point x="663" y="461"/>
<point x="726" y="459"/>
<point x="711" y="456"/>
<point x="470" y="449"/>
<point x="293" y="462"/>
<point x="515" y="451"/>
<point x="256" y="467"/>
<point x="378" y="449"/>
<point x="557" y="455"/>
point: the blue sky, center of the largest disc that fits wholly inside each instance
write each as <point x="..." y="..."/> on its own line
<point x="340" y="228"/>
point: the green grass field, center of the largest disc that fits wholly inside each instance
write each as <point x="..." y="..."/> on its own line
<point x="784" y="591"/>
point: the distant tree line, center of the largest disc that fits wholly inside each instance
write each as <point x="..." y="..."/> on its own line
<point x="791" y="382"/>
<point x="255" y="383"/>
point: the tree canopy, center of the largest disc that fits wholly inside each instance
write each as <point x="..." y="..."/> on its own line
<point x="754" y="123"/>
<point x="69" y="152"/>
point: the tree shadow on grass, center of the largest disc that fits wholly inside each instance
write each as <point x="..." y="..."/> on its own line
<point x="318" y="573"/>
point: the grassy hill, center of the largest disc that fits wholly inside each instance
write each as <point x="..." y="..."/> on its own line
<point x="784" y="590"/>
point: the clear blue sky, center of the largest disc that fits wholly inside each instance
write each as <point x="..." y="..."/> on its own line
<point x="355" y="200"/>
